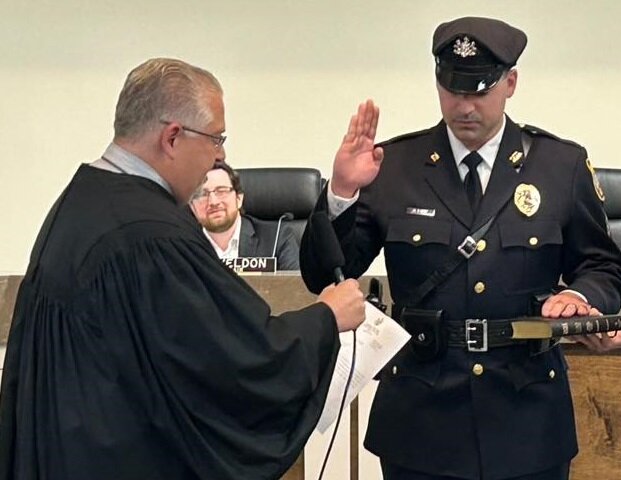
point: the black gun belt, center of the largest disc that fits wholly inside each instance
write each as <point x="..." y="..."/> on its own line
<point x="480" y="335"/>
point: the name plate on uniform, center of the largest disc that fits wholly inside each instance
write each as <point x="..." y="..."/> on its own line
<point x="251" y="264"/>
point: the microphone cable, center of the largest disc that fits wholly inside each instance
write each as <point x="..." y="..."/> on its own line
<point x="342" y="406"/>
<point x="332" y="259"/>
<point x="374" y="298"/>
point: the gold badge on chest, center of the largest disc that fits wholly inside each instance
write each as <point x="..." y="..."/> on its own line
<point x="527" y="199"/>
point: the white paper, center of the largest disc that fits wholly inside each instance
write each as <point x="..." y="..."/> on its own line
<point x="378" y="339"/>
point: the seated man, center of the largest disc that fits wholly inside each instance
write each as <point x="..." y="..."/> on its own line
<point x="218" y="207"/>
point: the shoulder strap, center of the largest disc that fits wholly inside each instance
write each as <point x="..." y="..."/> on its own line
<point x="467" y="248"/>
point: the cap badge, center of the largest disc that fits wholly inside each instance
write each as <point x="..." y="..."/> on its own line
<point x="434" y="157"/>
<point x="465" y="48"/>
<point x="527" y="199"/>
<point x="598" y="186"/>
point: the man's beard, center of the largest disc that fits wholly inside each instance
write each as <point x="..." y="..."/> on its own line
<point x="221" y="224"/>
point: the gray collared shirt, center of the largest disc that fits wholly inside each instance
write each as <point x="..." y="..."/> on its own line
<point x="118" y="160"/>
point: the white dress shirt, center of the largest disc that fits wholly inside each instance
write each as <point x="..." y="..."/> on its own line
<point x="232" y="250"/>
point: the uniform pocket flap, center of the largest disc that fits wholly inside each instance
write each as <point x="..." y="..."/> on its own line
<point x="536" y="369"/>
<point x="419" y="231"/>
<point x="530" y="234"/>
<point x="404" y="364"/>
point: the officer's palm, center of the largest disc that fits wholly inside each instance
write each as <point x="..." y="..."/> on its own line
<point x="358" y="161"/>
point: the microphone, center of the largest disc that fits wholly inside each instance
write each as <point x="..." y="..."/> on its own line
<point x="331" y="258"/>
<point x="284" y="216"/>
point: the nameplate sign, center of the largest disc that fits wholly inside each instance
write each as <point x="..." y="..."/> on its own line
<point x="251" y="264"/>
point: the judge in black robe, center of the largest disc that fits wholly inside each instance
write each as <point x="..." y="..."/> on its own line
<point x="135" y="353"/>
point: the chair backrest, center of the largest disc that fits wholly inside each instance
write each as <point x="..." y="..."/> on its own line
<point x="610" y="180"/>
<point x="272" y="191"/>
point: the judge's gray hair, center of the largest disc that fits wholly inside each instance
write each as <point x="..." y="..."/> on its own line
<point x="164" y="89"/>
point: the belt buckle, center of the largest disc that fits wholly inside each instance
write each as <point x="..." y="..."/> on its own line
<point x="468" y="247"/>
<point x="476" y="334"/>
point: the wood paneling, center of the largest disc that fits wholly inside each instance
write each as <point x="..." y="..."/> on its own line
<point x="596" y="388"/>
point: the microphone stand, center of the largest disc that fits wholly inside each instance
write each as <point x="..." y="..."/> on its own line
<point x="284" y="216"/>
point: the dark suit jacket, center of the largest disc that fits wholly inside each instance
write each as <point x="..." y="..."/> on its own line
<point x="257" y="239"/>
<point x="517" y="417"/>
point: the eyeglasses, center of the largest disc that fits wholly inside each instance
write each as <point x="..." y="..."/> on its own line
<point x="218" y="192"/>
<point x="218" y="140"/>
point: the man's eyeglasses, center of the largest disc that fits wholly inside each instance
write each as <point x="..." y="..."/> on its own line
<point x="218" y="192"/>
<point x="218" y="140"/>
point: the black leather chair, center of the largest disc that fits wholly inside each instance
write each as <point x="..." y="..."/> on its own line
<point x="610" y="180"/>
<point x="273" y="191"/>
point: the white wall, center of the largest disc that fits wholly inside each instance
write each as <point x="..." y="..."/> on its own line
<point x="293" y="72"/>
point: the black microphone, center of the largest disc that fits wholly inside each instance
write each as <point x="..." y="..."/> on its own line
<point x="331" y="258"/>
<point x="284" y="216"/>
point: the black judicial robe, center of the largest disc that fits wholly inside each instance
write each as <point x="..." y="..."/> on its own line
<point x="135" y="353"/>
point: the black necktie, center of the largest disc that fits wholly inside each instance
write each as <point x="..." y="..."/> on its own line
<point x="472" y="181"/>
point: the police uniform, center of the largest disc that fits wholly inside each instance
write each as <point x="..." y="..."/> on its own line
<point x="502" y="413"/>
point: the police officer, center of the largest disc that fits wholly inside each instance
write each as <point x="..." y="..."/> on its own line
<point x="523" y="208"/>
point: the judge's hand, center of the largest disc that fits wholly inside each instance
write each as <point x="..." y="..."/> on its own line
<point x="357" y="160"/>
<point x="347" y="303"/>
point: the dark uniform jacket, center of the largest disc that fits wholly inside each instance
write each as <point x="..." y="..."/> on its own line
<point x="516" y="417"/>
<point x="257" y="238"/>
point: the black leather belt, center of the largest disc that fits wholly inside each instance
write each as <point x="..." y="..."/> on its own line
<point x="479" y="335"/>
<point x="476" y="335"/>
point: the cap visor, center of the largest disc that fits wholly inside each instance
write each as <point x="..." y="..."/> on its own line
<point x="468" y="82"/>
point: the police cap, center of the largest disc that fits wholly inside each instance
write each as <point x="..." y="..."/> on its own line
<point x="472" y="53"/>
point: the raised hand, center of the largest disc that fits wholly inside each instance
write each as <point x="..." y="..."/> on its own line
<point x="357" y="160"/>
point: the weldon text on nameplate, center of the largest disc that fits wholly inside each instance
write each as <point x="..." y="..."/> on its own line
<point x="251" y="264"/>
